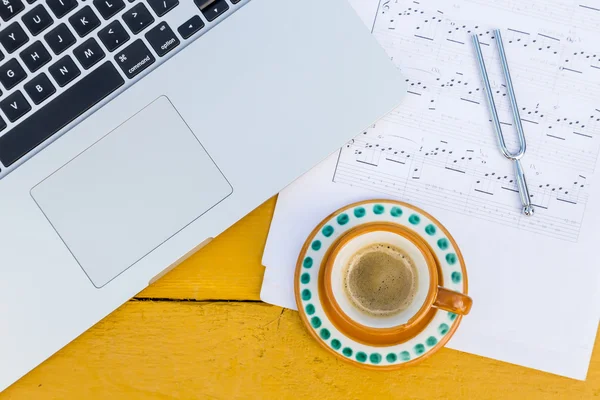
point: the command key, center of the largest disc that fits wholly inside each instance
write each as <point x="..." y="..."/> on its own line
<point x="134" y="58"/>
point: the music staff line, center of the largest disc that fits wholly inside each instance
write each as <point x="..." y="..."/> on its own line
<point x="550" y="152"/>
<point x="420" y="193"/>
<point x="540" y="80"/>
<point x="373" y="155"/>
<point x="553" y="11"/>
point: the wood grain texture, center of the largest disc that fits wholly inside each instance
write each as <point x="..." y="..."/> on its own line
<point x="204" y="350"/>
<point x="176" y="345"/>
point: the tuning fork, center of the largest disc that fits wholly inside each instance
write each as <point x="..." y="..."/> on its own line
<point x="513" y="156"/>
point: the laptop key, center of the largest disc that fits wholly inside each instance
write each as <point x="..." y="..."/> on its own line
<point x="15" y="106"/>
<point x="162" y="38"/>
<point x="64" y="71"/>
<point x="134" y="58"/>
<point x="2" y="124"/>
<point x="60" y="8"/>
<point x="191" y="26"/>
<point x="37" y="19"/>
<point x="39" y="88"/>
<point x="212" y="8"/>
<point x="108" y="8"/>
<point x="13" y="37"/>
<point x="113" y="36"/>
<point x="89" y="53"/>
<point x="59" y="112"/>
<point x="84" y="21"/>
<point x="60" y="38"/>
<point x="161" y="7"/>
<point x="10" y="8"/>
<point x="35" y="56"/>
<point x="138" y="18"/>
<point x="11" y="73"/>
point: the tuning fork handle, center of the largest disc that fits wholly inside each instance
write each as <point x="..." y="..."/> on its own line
<point x="523" y="189"/>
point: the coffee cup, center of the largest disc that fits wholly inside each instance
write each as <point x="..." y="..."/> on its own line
<point x="381" y="281"/>
<point x="381" y="284"/>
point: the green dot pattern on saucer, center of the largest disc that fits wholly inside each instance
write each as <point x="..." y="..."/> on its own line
<point x="361" y="356"/>
<point x="443" y="243"/>
<point x="414" y="219"/>
<point x="310" y="309"/>
<point x="312" y="260"/>
<point x="359" y="212"/>
<point x="430" y="230"/>
<point x="375" y="358"/>
<point x="327" y="230"/>
<point x="456" y="277"/>
<point x="315" y="322"/>
<point x="305" y="278"/>
<point x="419" y="349"/>
<point x="451" y="258"/>
<point x="443" y="329"/>
<point x="405" y="356"/>
<point x="343" y="219"/>
<point x="336" y="344"/>
<point x="308" y="262"/>
<point x="396" y="212"/>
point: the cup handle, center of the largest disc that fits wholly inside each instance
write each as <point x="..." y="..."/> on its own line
<point x="455" y="302"/>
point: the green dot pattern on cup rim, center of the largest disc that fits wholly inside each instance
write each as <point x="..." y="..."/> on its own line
<point x="396" y="212"/>
<point x="343" y="219"/>
<point x="378" y="209"/>
<point x="414" y="219"/>
<point x="305" y="278"/>
<point x="430" y="229"/>
<point x="361" y="356"/>
<point x="318" y="320"/>
<point x="327" y="230"/>
<point x="359" y="212"/>
<point x="308" y="262"/>
<point x="456" y="277"/>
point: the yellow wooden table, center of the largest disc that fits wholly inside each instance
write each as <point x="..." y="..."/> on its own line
<point x="201" y="332"/>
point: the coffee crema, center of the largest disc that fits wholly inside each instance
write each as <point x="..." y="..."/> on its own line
<point x="381" y="280"/>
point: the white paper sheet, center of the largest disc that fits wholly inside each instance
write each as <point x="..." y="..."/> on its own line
<point x="534" y="280"/>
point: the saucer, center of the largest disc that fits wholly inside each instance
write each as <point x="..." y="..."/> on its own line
<point x="309" y="273"/>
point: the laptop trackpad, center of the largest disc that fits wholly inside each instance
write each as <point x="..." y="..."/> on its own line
<point x="131" y="191"/>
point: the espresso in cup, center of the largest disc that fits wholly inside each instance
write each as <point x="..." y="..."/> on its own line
<point x="381" y="280"/>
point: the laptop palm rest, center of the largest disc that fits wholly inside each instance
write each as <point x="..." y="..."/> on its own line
<point x="132" y="190"/>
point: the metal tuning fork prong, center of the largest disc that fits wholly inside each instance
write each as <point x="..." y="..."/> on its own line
<point x="516" y="157"/>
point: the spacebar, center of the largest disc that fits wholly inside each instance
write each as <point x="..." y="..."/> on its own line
<point x="62" y="110"/>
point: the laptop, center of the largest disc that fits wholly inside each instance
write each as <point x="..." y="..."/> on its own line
<point x="134" y="131"/>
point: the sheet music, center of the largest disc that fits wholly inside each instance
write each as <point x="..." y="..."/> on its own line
<point x="534" y="280"/>
<point x="439" y="148"/>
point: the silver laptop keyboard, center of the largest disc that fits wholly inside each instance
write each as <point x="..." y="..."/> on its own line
<point x="61" y="58"/>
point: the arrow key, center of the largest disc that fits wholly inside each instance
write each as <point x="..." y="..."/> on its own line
<point x="113" y="36"/>
<point x="212" y="8"/>
<point x="191" y="26"/>
<point x="138" y="18"/>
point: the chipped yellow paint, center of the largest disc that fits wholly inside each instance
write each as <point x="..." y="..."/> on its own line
<point x="159" y="349"/>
